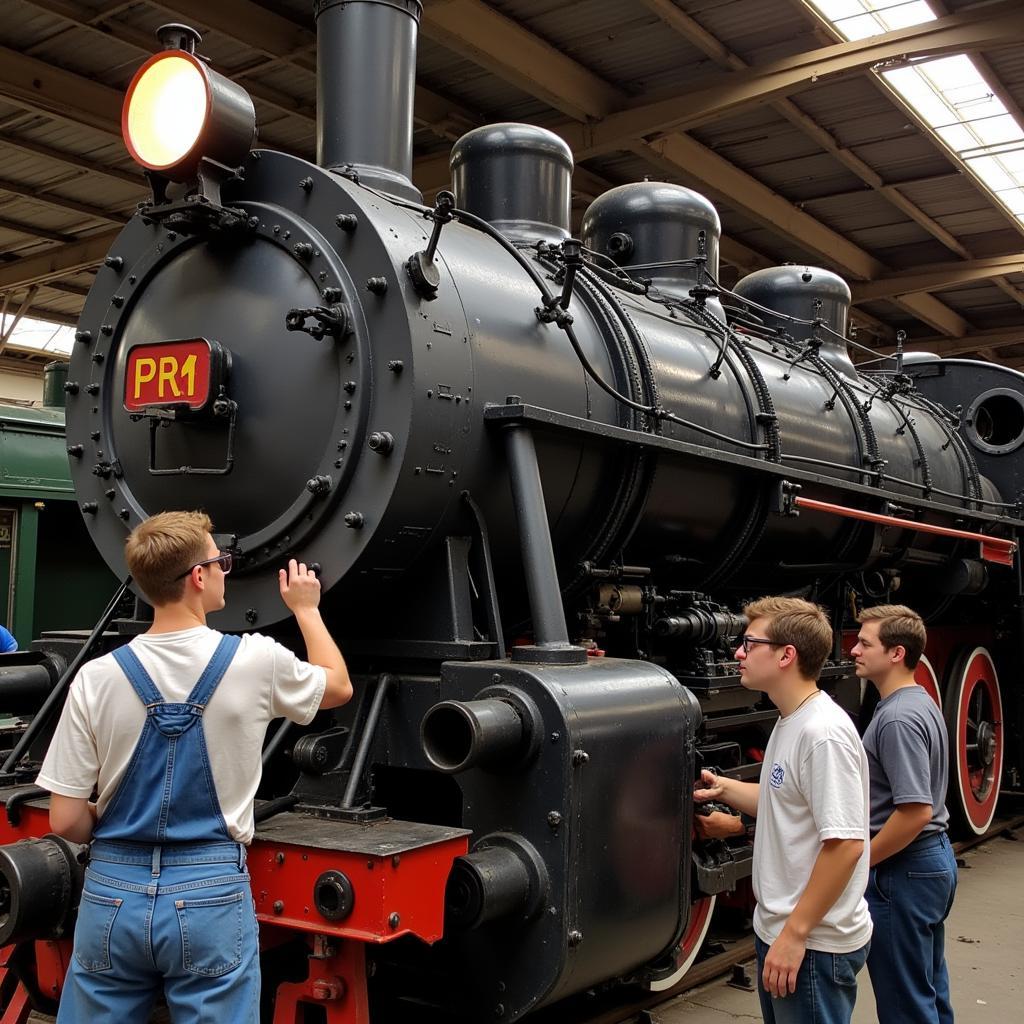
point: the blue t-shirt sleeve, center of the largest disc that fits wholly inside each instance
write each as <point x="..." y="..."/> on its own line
<point x="903" y="751"/>
<point x="7" y="642"/>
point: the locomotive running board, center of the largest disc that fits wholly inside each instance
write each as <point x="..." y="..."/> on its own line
<point x="497" y="416"/>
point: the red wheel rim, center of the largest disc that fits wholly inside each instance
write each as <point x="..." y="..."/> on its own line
<point x="978" y="736"/>
<point x="924" y="675"/>
<point x="689" y="944"/>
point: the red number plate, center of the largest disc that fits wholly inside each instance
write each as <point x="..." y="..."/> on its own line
<point x="168" y="373"/>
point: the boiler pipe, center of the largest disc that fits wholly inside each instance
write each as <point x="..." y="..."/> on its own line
<point x="993" y="549"/>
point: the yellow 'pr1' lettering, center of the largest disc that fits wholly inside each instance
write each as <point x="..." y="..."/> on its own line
<point x="168" y="368"/>
<point x="145" y="371"/>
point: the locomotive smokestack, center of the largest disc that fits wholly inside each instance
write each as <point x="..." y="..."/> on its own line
<point x="366" y="81"/>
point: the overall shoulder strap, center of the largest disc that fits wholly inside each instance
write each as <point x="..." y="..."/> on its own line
<point x="214" y="671"/>
<point x="140" y="679"/>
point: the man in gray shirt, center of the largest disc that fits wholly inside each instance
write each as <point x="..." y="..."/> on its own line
<point x="913" y="870"/>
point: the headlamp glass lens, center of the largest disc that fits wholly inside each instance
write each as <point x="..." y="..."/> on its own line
<point x="166" y="112"/>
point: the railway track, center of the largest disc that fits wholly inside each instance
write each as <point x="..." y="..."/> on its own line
<point x="621" y="1006"/>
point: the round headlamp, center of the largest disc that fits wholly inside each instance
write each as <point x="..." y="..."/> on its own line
<point x="178" y="111"/>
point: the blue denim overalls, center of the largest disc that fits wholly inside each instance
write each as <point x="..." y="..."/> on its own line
<point x="166" y="900"/>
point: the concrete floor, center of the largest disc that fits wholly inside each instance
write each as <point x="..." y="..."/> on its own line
<point x="984" y="948"/>
<point x="984" y="944"/>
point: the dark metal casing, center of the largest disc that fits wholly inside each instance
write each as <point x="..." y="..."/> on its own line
<point x="604" y="800"/>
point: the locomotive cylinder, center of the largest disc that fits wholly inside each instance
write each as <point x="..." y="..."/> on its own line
<point x="503" y="877"/>
<point x="40" y="880"/>
<point x="458" y="736"/>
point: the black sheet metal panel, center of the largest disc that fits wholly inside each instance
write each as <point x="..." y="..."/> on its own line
<point x="382" y="838"/>
<point x="309" y="479"/>
<point x="604" y="801"/>
<point x="991" y="399"/>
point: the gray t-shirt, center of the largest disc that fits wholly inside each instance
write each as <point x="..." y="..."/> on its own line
<point x="908" y="757"/>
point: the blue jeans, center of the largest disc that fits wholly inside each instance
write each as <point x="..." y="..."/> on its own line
<point x="910" y="896"/>
<point x="826" y="988"/>
<point x="185" y="925"/>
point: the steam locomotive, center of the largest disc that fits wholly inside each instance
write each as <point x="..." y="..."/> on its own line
<point x="538" y="476"/>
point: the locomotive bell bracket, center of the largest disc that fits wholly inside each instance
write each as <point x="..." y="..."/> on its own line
<point x="784" y="499"/>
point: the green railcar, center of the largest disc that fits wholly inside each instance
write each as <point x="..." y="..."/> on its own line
<point x="50" y="574"/>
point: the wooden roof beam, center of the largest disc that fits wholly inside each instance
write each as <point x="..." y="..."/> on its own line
<point x="742" y="89"/>
<point x="935" y="276"/>
<point x="974" y="341"/>
<point x="57" y="262"/>
<point x="516" y="55"/>
<point x="57" y="93"/>
<point x="33" y="231"/>
<point x="36" y="194"/>
<point x="687" y="159"/>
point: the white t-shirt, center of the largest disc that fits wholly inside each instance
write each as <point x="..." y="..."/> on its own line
<point x="103" y="717"/>
<point x="814" y="786"/>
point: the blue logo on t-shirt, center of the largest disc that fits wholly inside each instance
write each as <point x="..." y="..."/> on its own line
<point x="778" y="775"/>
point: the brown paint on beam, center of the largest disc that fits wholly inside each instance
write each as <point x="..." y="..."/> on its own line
<point x="36" y="194"/>
<point x="974" y="341"/>
<point x="686" y="158"/>
<point x="34" y="231"/>
<point x="58" y="262"/>
<point x="72" y="160"/>
<point x="757" y="85"/>
<point x="932" y="277"/>
<point x="504" y="47"/>
<point x="58" y="93"/>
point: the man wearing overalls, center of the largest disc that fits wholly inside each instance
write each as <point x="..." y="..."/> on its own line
<point x="168" y="731"/>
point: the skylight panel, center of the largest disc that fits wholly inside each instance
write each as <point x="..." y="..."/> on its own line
<point x="948" y="94"/>
<point x="44" y="336"/>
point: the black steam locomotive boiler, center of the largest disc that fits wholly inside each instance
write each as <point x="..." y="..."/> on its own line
<point x="538" y="475"/>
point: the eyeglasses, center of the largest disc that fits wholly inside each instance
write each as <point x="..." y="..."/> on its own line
<point x="749" y="641"/>
<point x="223" y="560"/>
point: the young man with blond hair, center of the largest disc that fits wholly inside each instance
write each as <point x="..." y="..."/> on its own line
<point x="812" y="927"/>
<point x="913" y="869"/>
<point x="167" y="731"/>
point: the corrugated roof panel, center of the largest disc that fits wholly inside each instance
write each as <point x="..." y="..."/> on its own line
<point x="973" y="222"/>
<point x="864" y="207"/>
<point x="803" y="179"/>
<point x="913" y="157"/>
<point x="885" y="235"/>
<point x="755" y="30"/>
<point x="982" y="296"/>
<point x="836" y="101"/>
<point x="627" y="45"/>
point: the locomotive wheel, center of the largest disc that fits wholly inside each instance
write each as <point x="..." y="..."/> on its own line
<point x="924" y="675"/>
<point x="689" y="945"/>
<point x="974" y="721"/>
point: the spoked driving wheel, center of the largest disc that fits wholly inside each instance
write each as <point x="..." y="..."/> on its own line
<point x="924" y="676"/>
<point x="689" y="945"/>
<point x="974" y="720"/>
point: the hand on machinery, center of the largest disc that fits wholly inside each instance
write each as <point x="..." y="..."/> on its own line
<point x="714" y="787"/>
<point x="300" y="589"/>
<point x="718" y="825"/>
